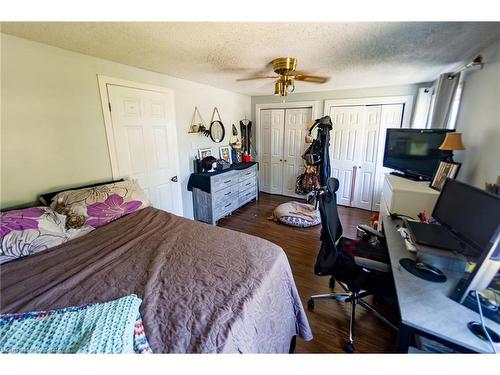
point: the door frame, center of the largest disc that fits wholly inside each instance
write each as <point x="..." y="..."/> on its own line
<point x="103" y="82"/>
<point x="407" y="100"/>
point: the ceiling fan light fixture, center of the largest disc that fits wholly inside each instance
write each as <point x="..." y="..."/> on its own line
<point x="279" y="88"/>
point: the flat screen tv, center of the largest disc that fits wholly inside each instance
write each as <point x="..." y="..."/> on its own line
<point x="415" y="152"/>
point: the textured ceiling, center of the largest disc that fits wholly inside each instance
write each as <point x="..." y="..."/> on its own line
<point x="353" y="54"/>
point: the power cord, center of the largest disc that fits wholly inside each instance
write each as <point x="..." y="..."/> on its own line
<point x="482" y="323"/>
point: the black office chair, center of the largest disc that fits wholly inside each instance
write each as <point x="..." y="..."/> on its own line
<point x="360" y="267"/>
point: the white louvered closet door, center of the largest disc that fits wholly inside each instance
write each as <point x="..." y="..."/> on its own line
<point x="357" y="149"/>
<point x="367" y="159"/>
<point x="345" y="149"/>
<point x="294" y="146"/>
<point x="271" y="168"/>
<point x="391" y="116"/>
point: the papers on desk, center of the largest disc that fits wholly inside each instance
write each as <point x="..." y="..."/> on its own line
<point x="410" y="246"/>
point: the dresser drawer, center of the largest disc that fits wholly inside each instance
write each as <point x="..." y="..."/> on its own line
<point x="224" y="180"/>
<point x="222" y="208"/>
<point x="247" y="184"/>
<point x="230" y="192"/>
<point x="247" y="195"/>
<point x="248" y="173"/>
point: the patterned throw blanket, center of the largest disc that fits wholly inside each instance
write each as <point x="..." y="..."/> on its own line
<point x="109" y="327"/>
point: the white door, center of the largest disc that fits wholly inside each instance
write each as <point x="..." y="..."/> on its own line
<point x="145" y="142"/>
<point x="345" y="148"/>
<point x="271" y="168"/>
<point x="366" y="171"/>
<point x="294" y="147"/>
<point x="391" y="117"/>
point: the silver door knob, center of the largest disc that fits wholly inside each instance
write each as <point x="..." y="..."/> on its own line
<point x="174" y="179"/>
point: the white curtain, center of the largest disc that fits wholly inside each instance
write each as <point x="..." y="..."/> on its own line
<point x="444" y="107"/>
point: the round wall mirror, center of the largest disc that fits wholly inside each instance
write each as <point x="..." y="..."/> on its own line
<point x="217" y="131"/>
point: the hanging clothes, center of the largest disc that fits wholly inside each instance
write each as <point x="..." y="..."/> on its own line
<point x="318" y="153"/>
<point x="324" y="128"/>
<point x="246" y="133"/>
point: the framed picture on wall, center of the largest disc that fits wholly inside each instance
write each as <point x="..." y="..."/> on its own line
<point x="225" y="154"/>
<point x="445" y="170"/>
<point x="204" y="152"/>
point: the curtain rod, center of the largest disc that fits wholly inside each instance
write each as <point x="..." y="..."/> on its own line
<point x="477" y="62"/>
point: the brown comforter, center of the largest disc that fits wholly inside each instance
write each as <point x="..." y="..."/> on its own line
<point x="204" y="289"/>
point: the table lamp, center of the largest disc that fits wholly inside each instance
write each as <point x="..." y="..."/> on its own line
<point x="452" y="142"/>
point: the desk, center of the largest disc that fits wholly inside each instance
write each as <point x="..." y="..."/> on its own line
<point x="425" y="307"/>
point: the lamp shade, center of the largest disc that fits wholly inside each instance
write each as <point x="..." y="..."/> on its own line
<point x="452" y="142"/>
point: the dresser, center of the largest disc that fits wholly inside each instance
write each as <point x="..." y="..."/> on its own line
<point x="218" y="194"/>
<point x="406" y="197"/>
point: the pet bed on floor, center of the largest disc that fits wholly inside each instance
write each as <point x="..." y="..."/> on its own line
<point x="296" y="214"/>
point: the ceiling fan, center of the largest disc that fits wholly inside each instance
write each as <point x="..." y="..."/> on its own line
<point x="287" y="75"/>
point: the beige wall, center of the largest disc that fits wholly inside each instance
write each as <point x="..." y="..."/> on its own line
<point x="479" y="121"/>
<point x="52" y="128"/>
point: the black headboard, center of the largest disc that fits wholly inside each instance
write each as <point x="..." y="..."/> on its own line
<point x="46" y="198"/>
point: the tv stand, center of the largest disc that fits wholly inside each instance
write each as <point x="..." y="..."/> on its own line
<point x="409" y="176"/>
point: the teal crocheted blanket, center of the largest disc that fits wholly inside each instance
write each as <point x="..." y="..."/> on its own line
<point x="109" y="327"/>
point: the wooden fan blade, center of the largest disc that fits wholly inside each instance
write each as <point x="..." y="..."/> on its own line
<point x="252" y="78"/>
<point x="311" y="79"/>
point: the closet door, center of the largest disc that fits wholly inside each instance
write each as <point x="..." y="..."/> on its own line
<point x="366" y="171"/>
<point x="345" y="149"/>
<point x="294" y="146"/>
<point x="391" y="117"/>
<point x="271" y="140"/>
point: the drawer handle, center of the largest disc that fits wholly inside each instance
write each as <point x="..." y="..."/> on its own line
<point x="227" y="205"/>
<point x="228" y="181"/>
<point x="248" y="173"/>
<point x="248" y="183"/>
<point x="228" y="193"/>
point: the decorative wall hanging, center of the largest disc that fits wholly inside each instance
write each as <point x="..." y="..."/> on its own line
<point x="246" y="132"/>
<point x="197" y="125"/>
<point x="216" y="131"/>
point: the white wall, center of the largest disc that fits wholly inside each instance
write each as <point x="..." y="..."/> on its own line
<point x="479" y="121"/>
<point x="52" y="127"/>
<point x="321" y="96"/>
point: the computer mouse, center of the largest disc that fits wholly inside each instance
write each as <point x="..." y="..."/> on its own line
<point x="424" y="267"/>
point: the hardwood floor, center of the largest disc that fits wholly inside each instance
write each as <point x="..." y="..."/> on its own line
<point x="329" y="320"/>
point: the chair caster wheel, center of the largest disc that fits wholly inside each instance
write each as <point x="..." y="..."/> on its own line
<point x="349" y="347"/>
<point x="331" y="283"/>
<point x="310" y="304"/>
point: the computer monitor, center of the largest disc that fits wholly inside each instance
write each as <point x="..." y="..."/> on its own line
<point x="471" y="214"/>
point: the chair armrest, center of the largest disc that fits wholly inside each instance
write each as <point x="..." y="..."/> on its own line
<point x="372" y="264"/>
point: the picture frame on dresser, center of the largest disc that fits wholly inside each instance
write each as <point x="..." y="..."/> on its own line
<point x="445" y="169"/>
<point x="204" y="152"/>
<point x="225" y="154"/>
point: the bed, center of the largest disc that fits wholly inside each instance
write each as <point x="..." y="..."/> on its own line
<point x="204" y="289"/>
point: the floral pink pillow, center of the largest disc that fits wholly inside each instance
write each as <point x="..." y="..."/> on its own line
<point x="31" y="230"/>
<point x="105" y="203"/>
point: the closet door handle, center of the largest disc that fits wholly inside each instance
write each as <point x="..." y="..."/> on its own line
<point x="353" y="184"/>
